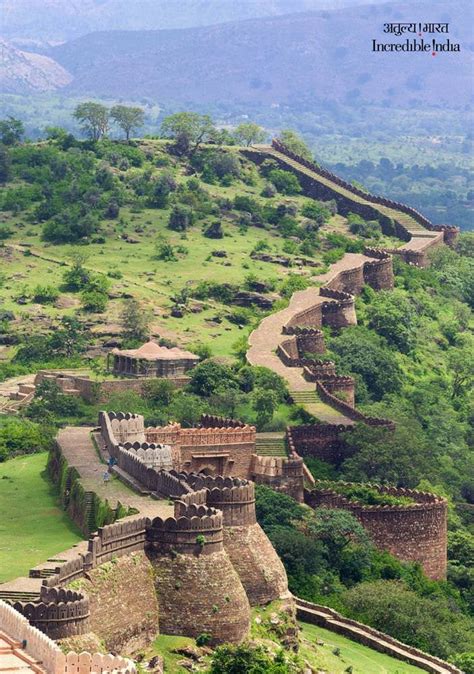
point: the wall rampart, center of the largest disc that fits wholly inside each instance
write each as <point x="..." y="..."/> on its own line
<point x="59" y="613"/>
<point x="413" y="532"/>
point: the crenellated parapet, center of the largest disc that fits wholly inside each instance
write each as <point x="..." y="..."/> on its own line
<point x="59" y="613"/>
<point x="378" y="273"/>
<point x="194" y="530"/>
<point x="450" y="233"/>
<point x="212" y="421"/>
<point x="414" y="530"/>
<point x="339" y="310"/>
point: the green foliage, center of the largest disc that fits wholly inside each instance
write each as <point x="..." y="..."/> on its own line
<point x="207" y="377"/>
<point x="128" y="118"/>
<point x="264" y="402"/>
<point x="69" y="339"/>
<point x="249" y="133"/>
<point x="361" y="493"/>
<point x="284" y="181"/>
<point x="295" y="143"/>
<point x="292" y="283"/>
<point x="465" y="662"/>
<point x="181" y="218"/>
<point x="394" y="317"/>
<point x="21" y="436"/>
<point x="11" y="130"/>
<point x="93" y="118"/>
<point x="135" y="321"/>
<point x="158" y="391"/>
<point x="94" y="300"/>
<point x="383" y="455"/>
<point x="45" y="294"/>
<point x="360" y="352"/>
<point x="246" y="657"/>
<point x="274" y="508"/>
<point x="188" y="130"/>
<point x="429" y="624"/>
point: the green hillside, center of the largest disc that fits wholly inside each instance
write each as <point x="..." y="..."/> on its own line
<point x="138" y="254"/>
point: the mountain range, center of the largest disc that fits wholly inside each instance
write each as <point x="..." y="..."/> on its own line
<point x="274" y="60"/>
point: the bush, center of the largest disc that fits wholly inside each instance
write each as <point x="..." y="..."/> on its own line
<point x="94" y="300"/>
<point x="284" y="181"/>
<point x="209" y="376"/>
<point x="45" y="294"/>
<point x="428" y="624"/>
<point x="21" y="436"/>
<point x="158" y="391"/>
<point x="181" y="218"/>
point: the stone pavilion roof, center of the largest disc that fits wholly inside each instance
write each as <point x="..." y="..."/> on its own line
<point x="153" y="351"/>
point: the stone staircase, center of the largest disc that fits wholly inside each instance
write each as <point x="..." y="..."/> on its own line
<point x="304" y="397"/>
<point x="89" y="511"/>
<point x="270" y="444"/>
<point x="11" y="596"/>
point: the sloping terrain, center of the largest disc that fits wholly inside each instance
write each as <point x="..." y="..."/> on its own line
<point x="324" y="55"/>
<point x="22" y="72"/>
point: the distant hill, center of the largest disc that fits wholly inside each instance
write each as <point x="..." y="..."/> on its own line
<point x="59" y="20"/>
<point x="23" y="72"/>
<point x="277" y="60"/>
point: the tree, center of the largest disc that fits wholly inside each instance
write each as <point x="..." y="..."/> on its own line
<point x="264" y="402"/>
<point x="160" y="190"/>
<point x="70" y="337"/>
<point x="209" y="377"/>
<point x="11" y="130"/>
<point x="285" y="181"/>
<point x="93" y="118"/>
<point x="5" y="165"/>
<point x="429" y="624"/>
<point x="393" y="316"/>
<point x="188" y="129"/>
<point x="249" y="134"/>
<point x="77" y="277"/>
<point x="295" y="143"/>
<point x="461" y="365"/>
<point x="135" y="321"/>
<point x="128" y="118"/>
<point x="401" y="457"/>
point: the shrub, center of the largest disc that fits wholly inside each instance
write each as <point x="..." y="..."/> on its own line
<point x="284" y="181"/>
<point x="94" y="300"/>
<point x="181" y="218"/>
<point x="21" y="436"/>
<point x="45" y="294"/>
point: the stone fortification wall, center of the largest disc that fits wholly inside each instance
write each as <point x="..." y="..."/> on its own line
<point x="415" y="532"/>
<point x="59" y="613"/>
<point x="198" y="588"/>
<point x="94" y="391"/>
<point x="378" y="273"/>
<point x="43" y="650"/>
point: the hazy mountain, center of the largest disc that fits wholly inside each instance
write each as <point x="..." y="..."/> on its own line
<point x="276" y="60"/>
<point x="59" y="20"/>
<point x="23" y="72"/>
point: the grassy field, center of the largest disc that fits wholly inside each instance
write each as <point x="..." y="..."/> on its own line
<point x="28" y="261"/>
<point x="32" y="527"/>
<point x="318" y="648"/>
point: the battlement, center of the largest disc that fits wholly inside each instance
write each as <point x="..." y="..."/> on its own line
<point x="194" y="530"/>
<point x="58" y="613"/>
<point x="212" y="421"/>
<point x="413" y="532"/>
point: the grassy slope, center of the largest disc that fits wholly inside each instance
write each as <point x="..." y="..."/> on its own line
<point x="316" y="650"/>
<point x="363" y="659"/>
<point x="32" y="527"/>
<point x="152" y="280"/>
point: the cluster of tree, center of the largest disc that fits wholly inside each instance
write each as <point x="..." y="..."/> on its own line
<point x="95" y="119"/>
<point x="21" y="436"/>
<point x="330" y="560"/>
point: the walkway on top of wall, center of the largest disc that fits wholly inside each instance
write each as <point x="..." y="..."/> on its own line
<point x="410" y="224"/>
<point x="14" y="659"/>
<point x="79" y="451"/>
<point x="265" y="339"/>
